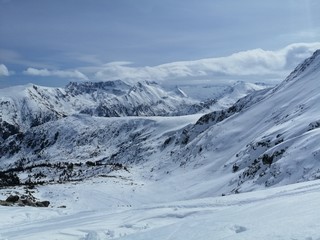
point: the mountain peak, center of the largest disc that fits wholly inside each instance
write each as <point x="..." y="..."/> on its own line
<point x="89" y="87"/>
<point x="307" y="66"/>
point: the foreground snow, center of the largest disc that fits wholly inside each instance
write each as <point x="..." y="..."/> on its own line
<point x="120" y="208"/>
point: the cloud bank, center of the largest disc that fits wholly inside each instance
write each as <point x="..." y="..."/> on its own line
<point x="256" y="63"/>
<point x="75" y="74"/>
<point x="4" y="72"/>
<point x="252" y="65"/>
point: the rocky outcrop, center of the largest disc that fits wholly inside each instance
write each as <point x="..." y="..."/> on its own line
<point x="23" y="200"/>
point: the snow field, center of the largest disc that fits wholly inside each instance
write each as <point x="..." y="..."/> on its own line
<point x="101" y="209"/>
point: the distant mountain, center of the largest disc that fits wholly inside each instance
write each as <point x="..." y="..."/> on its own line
<point x="38" y="123"/>
<point x="30" y="106"/>
<point x="224" y="93"/>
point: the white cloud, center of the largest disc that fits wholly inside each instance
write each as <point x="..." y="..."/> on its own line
<point x="56" y="73"/>
<point x="256" y="63"/>
<point x="4" y="71"/>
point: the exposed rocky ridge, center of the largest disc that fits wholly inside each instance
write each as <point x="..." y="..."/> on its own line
<point x="29" y="106"/>
<point x="22" y="108"/>
<point x="117" y="87"/>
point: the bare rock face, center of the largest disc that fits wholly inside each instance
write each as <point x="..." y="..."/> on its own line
<point x="12" y="198"/>
<point x="5" y="204"/>
<point x="43" y="204"/>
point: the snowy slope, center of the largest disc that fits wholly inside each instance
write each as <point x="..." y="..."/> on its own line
<point x="69" y="143"/>
<point x="273" y="142"/>
<point x="118" y="209"/>
<point x="235" y="92"/>
<point x="225" y="93"/>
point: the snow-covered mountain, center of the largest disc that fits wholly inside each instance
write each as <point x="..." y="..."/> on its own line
<point x="266" y="139"/>
<point x="29" y="106"/>
<point x="41" y="126"/>
<point x="250" y="144"/>
<point x="226" y="93"/>
<point x="143" y="177"/>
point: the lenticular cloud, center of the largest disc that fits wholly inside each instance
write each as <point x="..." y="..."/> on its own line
<point x="256" y="62"/>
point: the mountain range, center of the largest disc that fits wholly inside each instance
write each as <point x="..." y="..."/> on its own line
<point x="165" y="156"/>
<point x="267" y="138"/>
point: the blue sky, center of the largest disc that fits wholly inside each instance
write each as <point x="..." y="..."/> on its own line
<point x="53" y="42"/>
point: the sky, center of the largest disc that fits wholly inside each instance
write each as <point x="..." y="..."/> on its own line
<point x="51" y="43"/>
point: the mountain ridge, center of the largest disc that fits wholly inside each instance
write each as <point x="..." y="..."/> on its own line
<point x="28" y="106"/>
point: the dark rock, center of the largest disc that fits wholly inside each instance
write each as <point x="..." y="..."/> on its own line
<point x="13" y="198"/>
<point x="4" y="203"/>
<point x="24" y="200"/>
<point x="28" y="202"/>
<point x="43" y="204"/>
